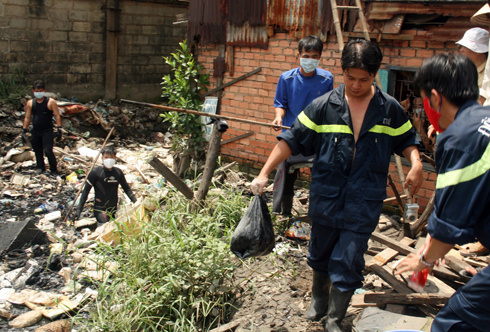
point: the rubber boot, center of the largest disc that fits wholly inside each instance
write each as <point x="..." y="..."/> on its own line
<point x="319" y="296"/>
<point x="287" y="204"/>
<point x="337" y="307"/>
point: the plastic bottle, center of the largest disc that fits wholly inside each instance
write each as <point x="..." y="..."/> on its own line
<point x="417" y="280"/>
<point x="48" y="207"/>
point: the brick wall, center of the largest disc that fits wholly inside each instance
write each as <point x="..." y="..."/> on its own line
<point x="253" y="97"/>
<point x="63" y="42"/>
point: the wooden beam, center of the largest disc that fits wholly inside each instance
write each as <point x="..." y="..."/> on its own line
<point x="385" y="273"/>
<point x="171" y="177"/>
<point x="397" y="194"/>
<point x="221" y="87"/>
<point x="415" y="298"/>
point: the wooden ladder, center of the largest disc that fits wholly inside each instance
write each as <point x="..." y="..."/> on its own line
<point x="338" y="29"/>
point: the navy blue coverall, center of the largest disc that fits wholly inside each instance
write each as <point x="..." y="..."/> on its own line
<point x="346" y="194"/>
<point x="462" y="211"/>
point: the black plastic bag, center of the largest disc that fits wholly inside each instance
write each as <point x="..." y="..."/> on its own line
<point x="254" y="235"/>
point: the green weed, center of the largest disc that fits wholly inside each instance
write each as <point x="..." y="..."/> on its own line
<point x="13" y="87"/>
<point x="176" y="275"/>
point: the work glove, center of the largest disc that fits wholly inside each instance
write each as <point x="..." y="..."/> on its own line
<point x="76" y="214"/>
<point x="258" y="186"/>
<point x="221" y="125"/>
<point x="23" y="136"/>
<point x="58" y="135"/>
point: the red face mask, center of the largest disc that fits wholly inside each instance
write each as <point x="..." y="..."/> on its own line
<point x="432" y="114"/>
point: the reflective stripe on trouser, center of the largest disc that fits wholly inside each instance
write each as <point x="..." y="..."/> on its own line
<point x="338" y="253"/>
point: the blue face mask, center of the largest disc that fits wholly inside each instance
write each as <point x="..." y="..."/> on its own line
<point x="308" y="64"/>
<point x="39" y="95"/>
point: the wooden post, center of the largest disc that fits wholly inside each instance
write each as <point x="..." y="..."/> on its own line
<point x="214" y="146"/>
<point x="112" y="8"/>
<point x="397" y="194"/>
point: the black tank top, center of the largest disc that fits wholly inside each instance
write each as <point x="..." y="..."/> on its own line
<point x="42" y="117"/>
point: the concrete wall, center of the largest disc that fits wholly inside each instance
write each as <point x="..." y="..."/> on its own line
<point x="253" y="97"/>
<point x="64" y="43"/>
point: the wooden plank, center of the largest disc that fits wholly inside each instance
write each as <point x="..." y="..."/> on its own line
<point x="415" y="298"/>
<point x="386" y="274"/>
<point x="255" y="71"/>
<point x="439" y="271"/>
<point x="171" y="177"/>
<point x="388" y="254"/>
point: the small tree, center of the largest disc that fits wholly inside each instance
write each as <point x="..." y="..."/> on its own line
<point x="181" y="89"/>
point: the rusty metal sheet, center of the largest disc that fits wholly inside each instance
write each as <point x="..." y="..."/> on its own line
<point x="299" y="17"/>
<point x="347" y="18"/>
<point x="247" y="35"/>
<point x="253" y="11"/>
<point x="207" y="19"/>
<point x="386" y="10"/>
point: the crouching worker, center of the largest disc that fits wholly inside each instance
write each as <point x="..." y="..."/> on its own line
<point x="351" y="130"/>
<point x="105" y="180"/>
<point x="449" y="85"/>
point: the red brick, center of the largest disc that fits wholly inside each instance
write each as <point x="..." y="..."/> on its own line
<point x="289" y="51"/>
<point x="425" y="53"/>
<point x="418" y="43"/>
<point x="400" y="43"/>
<point x="397" y="61"/>
<point x="422" y="201"/>
<point x="435" y="44"/>
<point x="414" y="62"/>
<point x="408" y="32"/>
<point x="407" y="52"/>
<point x="430" y="185"/>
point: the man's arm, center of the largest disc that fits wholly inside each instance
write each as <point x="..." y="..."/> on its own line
<point x="127" y="189"/>
<point x="83" y="199"/>
<point x="53" y="106"/>
<point x="280" y="153"/>
<point x="27" y="119"/>
<point x="280" y="113"/>
<point x="415" y="176"/>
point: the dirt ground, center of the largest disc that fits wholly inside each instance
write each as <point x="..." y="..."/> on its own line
<point x="276" y="292"/>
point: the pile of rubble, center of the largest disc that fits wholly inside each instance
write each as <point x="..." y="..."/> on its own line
<point x="91" y="119"/>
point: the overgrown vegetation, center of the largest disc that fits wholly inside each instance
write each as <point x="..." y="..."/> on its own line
<point x="181" y="89"/>
<point x="174" y="276"/>
<point x="13" y="87"/>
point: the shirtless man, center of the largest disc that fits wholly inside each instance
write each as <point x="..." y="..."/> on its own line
<point x="352" y="131"/>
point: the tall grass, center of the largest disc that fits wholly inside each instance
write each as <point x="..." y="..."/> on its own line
<point x="176" y="275"/>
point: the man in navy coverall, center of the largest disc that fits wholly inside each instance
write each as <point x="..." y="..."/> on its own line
<point x="449" y="86"/>
<point x="352" y="131"/>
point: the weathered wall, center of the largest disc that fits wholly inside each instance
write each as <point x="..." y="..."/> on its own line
<point x="64" y="43"/>
<point x="253" y="97"/>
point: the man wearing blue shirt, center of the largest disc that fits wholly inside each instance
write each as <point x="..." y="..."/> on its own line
<point x="296" y="89"/>
<point x="449" y="86"/>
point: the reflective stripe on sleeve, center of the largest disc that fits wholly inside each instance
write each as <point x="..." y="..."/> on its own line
<point x="465" y="174"/>
<point x="392" y="131"/>
<point x="335" y="128"/>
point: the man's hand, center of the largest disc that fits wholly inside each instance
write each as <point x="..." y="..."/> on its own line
<point x="411" y="263"/>
<point x="258" y="185"/>
<point x="76" y="214"/>
<point x="277" y="122"/>
<point x="23" y="136"/>
<point x="414" y="178"/>
<point x="58" y="135"/>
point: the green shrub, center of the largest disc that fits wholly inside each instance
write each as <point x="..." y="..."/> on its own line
<point x="13" y="87"/>
<point x="176" y="275"/>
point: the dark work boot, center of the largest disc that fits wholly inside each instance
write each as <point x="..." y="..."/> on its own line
<point x="319" y="296"/>
<point x="337" y="307"/>
<point x="287" y="204"/>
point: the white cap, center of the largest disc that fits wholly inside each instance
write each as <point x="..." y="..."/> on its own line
<point x="476" y="40"/>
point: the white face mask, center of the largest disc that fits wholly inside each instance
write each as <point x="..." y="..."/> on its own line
<point x="109" y="162"/>
<point x="39" y="95"/>
<point x="308" y="64"/>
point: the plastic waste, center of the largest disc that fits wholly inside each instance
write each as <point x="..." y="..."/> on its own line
<point x="72" y="177"/>
<point x="299" y="230"/>
<point x="254" y="235"/>
<point x="48" y="207"/>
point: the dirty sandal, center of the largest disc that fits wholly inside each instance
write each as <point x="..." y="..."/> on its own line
<point x="474" y="249"/>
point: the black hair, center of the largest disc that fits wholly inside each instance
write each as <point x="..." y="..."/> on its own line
<point x="39" y="84"/>
<point x="453" y="75"/>
<point x="110" y="149"/>
<point x="362" y="54"/>
<point x="310" y="43"/>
